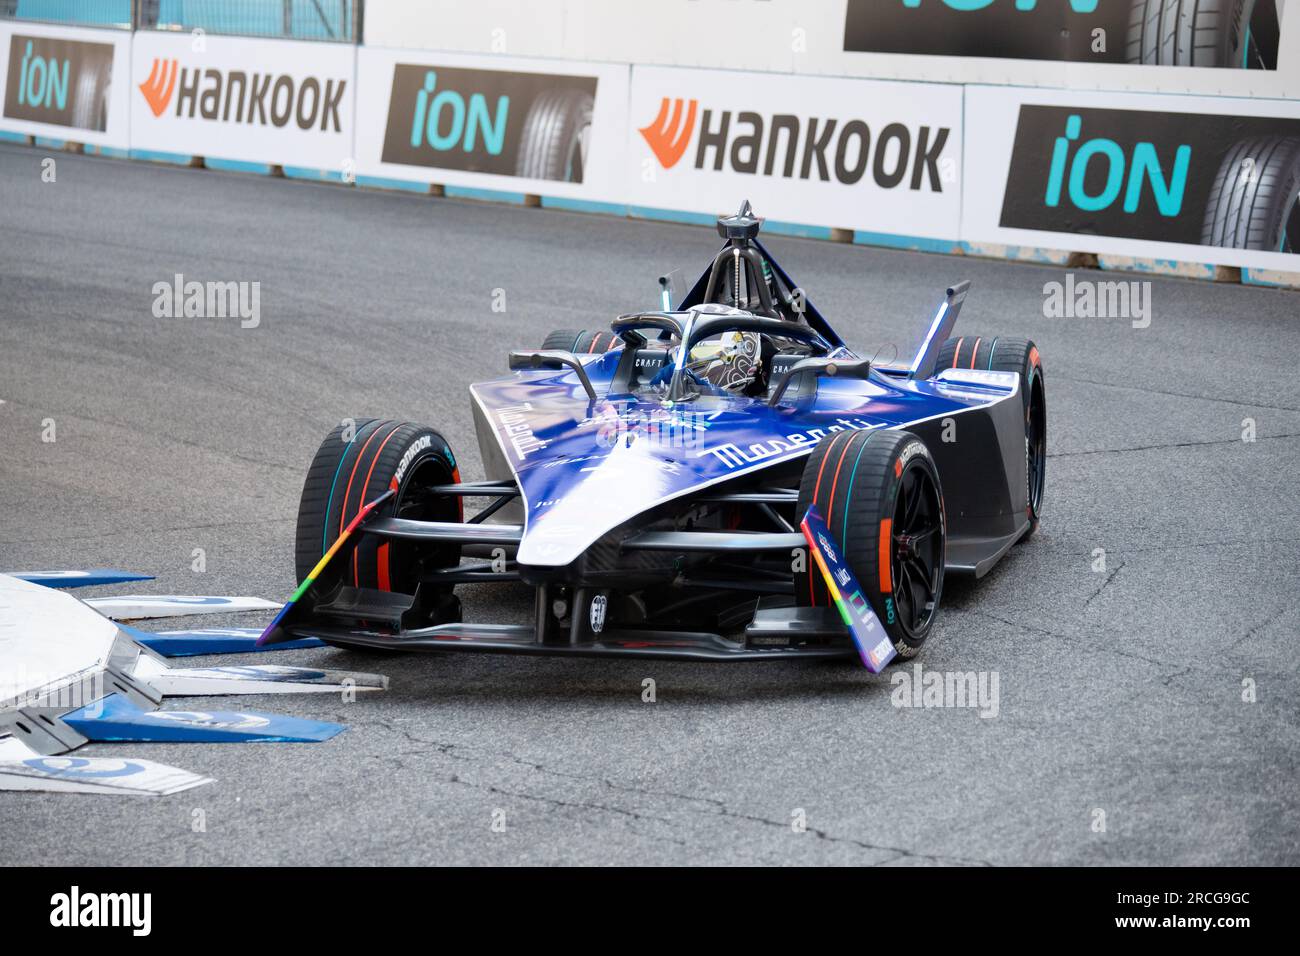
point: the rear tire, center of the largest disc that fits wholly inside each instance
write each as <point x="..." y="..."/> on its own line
<point x="582" y="341"/>
<point x="998" y="354"/>
<point x="878" y="492"/>
<point x="357" y="462"/>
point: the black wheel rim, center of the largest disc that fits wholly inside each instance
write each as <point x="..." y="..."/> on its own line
<point x="1036" y="444"/>
<point x="916" y="559"/>
<point x="417" y="501"/>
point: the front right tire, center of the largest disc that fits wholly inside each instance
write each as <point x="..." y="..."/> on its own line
<point x="878" y="492"/>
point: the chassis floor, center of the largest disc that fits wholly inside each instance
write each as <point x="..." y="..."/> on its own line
<point x="1119" y="690"/>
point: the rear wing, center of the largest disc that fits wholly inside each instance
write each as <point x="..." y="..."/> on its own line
<point x="927" y="355"/>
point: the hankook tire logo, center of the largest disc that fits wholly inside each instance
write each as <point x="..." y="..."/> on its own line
<point x="238" y="96"/>
<point x="798" y="147"/>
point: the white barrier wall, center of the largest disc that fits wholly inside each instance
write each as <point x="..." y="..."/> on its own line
<point x="515" y="125"/>
<point x="1169" y="172"/>
<point x="283" y="102"/>
<point x="65" y="83"/>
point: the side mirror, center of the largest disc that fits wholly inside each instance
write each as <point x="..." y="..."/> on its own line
<point x="823" y="368"/>
<point x="552" y="358"/>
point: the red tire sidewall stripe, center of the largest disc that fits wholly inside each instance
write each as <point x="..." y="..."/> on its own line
<point x="356" y="573"/>
<point x="343" y="514"/>
<point x="884" y="571"/>
<point x="817" y="490"/>
<point x="343" y="506"/>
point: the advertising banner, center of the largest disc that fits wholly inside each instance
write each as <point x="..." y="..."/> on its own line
<point x="59" y="82"/>
<point x="492" y="122"/>
<point x="1211" y="47"/>
<point x="1193" y="179"/>
<point x="877" y="156"/>
<point x="284" y="102"/>
<point x="1243" y="35"/>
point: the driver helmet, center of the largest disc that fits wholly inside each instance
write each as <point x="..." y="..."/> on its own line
<point x="731" y="361"/>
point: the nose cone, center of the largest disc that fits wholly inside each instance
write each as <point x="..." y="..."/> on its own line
<point x="574" y="500"/>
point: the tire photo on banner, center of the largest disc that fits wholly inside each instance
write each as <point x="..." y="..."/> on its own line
<point x="556" y="133"/>
<point x="1225" y="33"/>
<point x="1255" y="200"/>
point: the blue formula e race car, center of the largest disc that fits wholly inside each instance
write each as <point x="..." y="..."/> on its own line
<point x="722" y="479"/>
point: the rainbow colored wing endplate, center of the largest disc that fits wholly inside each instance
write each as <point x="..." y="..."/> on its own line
<point x="874" y="646"/>
<point x="271" y="635"/>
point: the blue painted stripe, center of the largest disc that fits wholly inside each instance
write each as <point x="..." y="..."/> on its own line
<point x="584" y="205"/>
<point x="382" y="182"/>
<point x="671" y="215"/>
<point x="490" y="195"/>
<point x="913" y="243"/>
<point x="236" y="166"/>
<point x="157" y="156"/>
<point x="115" y="718"/>
<point x="313" y="175"/>
<point x="78" y="579"/>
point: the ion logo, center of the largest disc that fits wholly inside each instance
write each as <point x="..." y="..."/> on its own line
<point x="463" y="127"/>
<point x="157" y="89"/>
<point x="1145" y="167"/>
<point x="40" y="83"/>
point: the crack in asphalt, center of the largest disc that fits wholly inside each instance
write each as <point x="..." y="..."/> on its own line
<point x="1260" y="626"/>
<point x="1158" y="391"/>
<point x="715" y="806"/>
<point x="153" y="530"/>
<point x="164" y="438"/>
<point x="1070" y="639"/>
<point x="1164" y="447"/>
<point x="1110" y="577"/>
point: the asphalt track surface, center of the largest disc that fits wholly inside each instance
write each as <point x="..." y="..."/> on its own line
<point x="1120" y="690"/>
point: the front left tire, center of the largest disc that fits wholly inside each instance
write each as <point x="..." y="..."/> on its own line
<point x="357" y="462"/>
